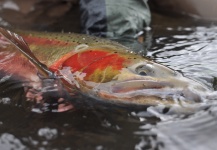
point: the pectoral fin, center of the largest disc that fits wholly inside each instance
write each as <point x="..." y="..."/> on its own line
<point x="23" y="47"/>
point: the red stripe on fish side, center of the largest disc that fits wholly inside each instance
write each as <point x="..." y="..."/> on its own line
<point x="89" y="61"/>
<point x="58" y="64"/>
<point x="78" y="60"/>
<point x="114" y="61"/>
<point x="45" y="41"/>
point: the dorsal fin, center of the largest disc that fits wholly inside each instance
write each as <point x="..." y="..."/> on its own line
<point x="23" y="47"/>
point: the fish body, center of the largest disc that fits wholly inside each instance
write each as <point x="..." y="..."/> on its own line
<point x="99" y="68"/>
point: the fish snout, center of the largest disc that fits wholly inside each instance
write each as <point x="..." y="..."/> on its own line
<point x="175" y="89"/>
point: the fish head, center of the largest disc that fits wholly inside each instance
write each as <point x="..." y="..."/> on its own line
<point x="124" y="77"/>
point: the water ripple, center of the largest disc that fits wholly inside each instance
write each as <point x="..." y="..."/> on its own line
<point x="194" y="54"/>
<point x="197" y="132"/>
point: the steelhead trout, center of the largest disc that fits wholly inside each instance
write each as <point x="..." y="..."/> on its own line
<point x="98" y="68"/>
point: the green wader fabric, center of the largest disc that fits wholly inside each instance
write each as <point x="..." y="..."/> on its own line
<point x="118" y="20"/>
<point x="126" y="17"/>
<point x="114" y="18"/>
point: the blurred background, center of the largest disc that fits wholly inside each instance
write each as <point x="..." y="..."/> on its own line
<point x="41" y="14"/>
<point x="64" y="15"/>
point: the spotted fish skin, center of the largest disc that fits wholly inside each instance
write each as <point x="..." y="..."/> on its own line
<point x="102" y="69"/>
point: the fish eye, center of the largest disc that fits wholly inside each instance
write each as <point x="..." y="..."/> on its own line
<point x="142" y="70"/>
<point x="142" y="73"/>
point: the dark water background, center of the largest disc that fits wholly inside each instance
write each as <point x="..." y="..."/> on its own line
<point x="183" y="44"/>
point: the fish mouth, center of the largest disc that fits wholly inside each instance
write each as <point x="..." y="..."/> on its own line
<point x="150" y="91"/>
<point x="135" y="85"/>
<point x="141" y="88"/>
<point x="146" y="92"/>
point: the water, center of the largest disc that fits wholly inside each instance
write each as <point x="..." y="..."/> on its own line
<point x="185" y="45"/>
<point x="190" y="50"/>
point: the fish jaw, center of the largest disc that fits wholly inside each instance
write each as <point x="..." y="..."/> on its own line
<point x="162" y="86"/>
<point x="143" y="92"/>
<point x="153" y="92"/>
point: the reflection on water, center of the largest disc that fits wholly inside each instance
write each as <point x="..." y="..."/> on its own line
<point x="189" y="49"/>
<point x="196" y="132"/>
<point x="9" y="141"/>
<point x="82" y="129"/>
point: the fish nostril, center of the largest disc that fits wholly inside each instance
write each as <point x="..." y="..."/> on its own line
<point x="175" y="73"/>
<point x="165" y="110"/>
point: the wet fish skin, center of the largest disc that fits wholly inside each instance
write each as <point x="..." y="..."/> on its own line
<point x="105" y="70"/>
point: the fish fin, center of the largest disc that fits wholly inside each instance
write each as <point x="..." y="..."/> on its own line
<point x="23" y="47"/>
